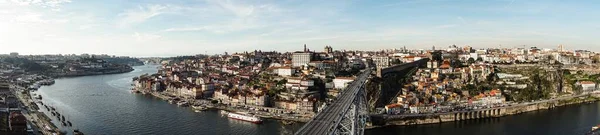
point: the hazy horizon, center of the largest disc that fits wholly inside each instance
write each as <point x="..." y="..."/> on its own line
<point x="143" y="28"/>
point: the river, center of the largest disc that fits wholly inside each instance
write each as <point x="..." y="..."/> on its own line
<point x="103" y="104"/>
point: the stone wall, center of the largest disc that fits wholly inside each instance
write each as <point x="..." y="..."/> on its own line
<point x="385" y="120"/>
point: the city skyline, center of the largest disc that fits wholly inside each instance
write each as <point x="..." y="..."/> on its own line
<point x="159" y="28"/>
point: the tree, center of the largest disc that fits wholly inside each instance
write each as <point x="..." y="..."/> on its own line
<point x="470" y="61"/>
<point x="479" y="59"/>
<point x="396" y="62"/>
<point x="550" y="57"/>
<point x="437" y="56"/>
<point x="455" y="63"/>
<point x="596" y="59"/>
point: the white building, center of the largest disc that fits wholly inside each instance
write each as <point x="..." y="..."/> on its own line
<point x="285" y="71"/>
<point x="587" y="85"/>
<point x="381" y="61"/>
<point x="342" y="82"/>
<point x="432" y="64"/>
<point x="307" y="83"/>
<point x="474" y="56"/>
<point x="301" y="58"/>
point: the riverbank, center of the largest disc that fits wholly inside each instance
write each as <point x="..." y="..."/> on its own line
<point x="90" y="73"/>
<point x="262" y="114"/>
<point x="38" y="119"/>
<point x="379" y="121"/>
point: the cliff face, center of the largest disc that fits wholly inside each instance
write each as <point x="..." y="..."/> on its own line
<point x="383" y="91"/>
<point x="124" y="61"/>
<point x="491" y="113"/>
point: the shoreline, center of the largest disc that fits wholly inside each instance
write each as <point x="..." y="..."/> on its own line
<point x="121" y="71"/>
<point x="42" y="120"/>
<point x="230" y="109"/>
<point x="483" y="114"/>
<point x="39" y="119"/>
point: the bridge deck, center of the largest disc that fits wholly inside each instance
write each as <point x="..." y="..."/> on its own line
<point x="329" y="118"/>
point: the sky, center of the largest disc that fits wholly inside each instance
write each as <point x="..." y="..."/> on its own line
<point x="144" y="28"/>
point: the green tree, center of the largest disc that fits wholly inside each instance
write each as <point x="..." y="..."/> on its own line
<point x="455" y="63"/>
<point x="470" y="61"/>
<point x="396" y="62"/>
<point x="437" y="56"/>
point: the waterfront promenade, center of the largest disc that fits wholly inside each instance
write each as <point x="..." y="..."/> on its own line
<point x="500" y="111"/>
<point x="595" y="93"/>
<point x="40" y="121"/>
<point x="263" y="112"/>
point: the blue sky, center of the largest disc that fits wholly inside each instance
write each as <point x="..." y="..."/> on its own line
<point x="184" y="27"/>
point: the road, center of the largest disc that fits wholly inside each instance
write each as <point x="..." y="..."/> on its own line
<point x="485" y="109"/>
<point x="330" y="117"/>
<point x="36" y="118"/>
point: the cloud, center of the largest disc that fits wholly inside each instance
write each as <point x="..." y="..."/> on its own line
<point x="218" y="28"/>
<point x="145" y="36"/>
<point x="461" y="19"/>
<point x="237" y="9"/>
<point x="446" y="26"/>
<point x="31" y="17"/>
<point x="54" y="5"/>
<point x="229" y="16"/>
<point x="185" y="29"/>
<point x="140" y="15"/>
<point x="511" y="2"/>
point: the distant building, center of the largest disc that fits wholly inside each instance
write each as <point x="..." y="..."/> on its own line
<point x="4" y="89"/>
<point x="328" y="49"/>
<point x="14" y="54"/>
<point x="301" y="58"/>
<point x="342" y="82"/>
<point x="285" y="71"/>
<point x="432" y="64"/>
<point x="587" y="85"/>
<point x="381" y="61"/>
<point x="17" y="122"/>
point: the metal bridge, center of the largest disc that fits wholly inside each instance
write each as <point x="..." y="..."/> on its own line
<point x="345" y="116"/>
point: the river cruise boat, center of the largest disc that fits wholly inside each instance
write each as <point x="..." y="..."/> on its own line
<point x="244" y="117"/>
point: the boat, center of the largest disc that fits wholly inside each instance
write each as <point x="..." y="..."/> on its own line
<point x="35" y="86"/>
<point x="47" y="127"/>
<point x="63" y="118"/>
<point x="70" y="124"/>
<point x="38" y="97"/>
<point x="285" y="122"/>
<point x="223" y="112"/>
<point x="53" y="114"/>
<point x="595" y="130"/>
<point x="183" y="104"/>
<point x="244" y="117"/>
<point x="174" y="100"/>
<point x="199" y="108"/>
<point x="64" y="124"/>
<point x="135" y="91"/>
<point x="77" y="132"/>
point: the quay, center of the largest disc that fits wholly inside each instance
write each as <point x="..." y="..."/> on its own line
<point x="270" y="114"/>
<point x="381" y="120"/>
<point x="38" y="119"/>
